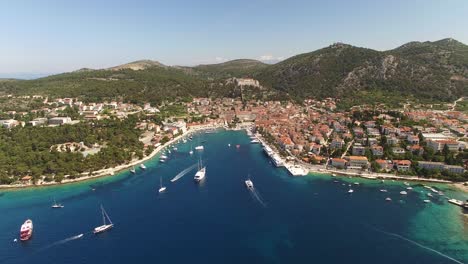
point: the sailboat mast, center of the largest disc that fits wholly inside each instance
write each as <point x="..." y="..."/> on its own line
<point x="103" y="215"/>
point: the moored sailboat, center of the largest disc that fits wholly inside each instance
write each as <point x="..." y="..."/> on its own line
<point x="57" y="205"/>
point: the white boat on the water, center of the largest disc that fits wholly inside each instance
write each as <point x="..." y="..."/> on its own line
<point x="254" y="141"/>
<point x="26" y="230"/>
<point x="132" y="170"/>
<point x="350" y="191"/>
<point x="199" y="147"/>
<point x="427" y="201"/>
<point x="403" y="193"/>
<point x="409" y="188"/>
<point x="388" y="199"/>
<point x="105" y="226"/>
<point x="161" y="187"/>
<point x="383" y="190"/>
<point x="175" y="148"/>
<point x="229" y="145"/>
<point x="249" y="184"/>
<point x="142" y="166"/>
<point x="57" y="205"/>
<point x="191" y="152"/>
<point x="200" y="175"/>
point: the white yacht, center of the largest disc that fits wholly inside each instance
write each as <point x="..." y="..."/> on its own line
<point x="199" y="147"/>
<point x="105" y="226"/>
<point x="403" y="193"/>
<point x="132" y="170"/>
<point x="350" y="191"/>
<point x="161" y="187"/>
<point x="254" y="141"/>
<point x="200" y="175"/>
<point x="388" y="199"/>
<point x="142" y="166"/>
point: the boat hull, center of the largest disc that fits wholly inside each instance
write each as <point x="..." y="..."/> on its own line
<point x="103" y="228"/>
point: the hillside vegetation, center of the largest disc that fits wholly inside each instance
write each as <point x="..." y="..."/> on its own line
<point x="423" y="71"/>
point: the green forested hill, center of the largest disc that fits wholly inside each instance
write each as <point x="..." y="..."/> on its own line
<point x="432" y="71"/>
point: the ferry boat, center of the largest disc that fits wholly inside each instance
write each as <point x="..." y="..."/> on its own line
<point x="199" y="148"/>
<point x="277" y="160"/>
<point x="161" y="188"/>
<point x="200" y="175"/>
<point x="26" y="230"/>
<point x="56" y="205"/>
<point x="142" y="166"/>
<point x="105" y="226"/>
<point x="249" y="184"/>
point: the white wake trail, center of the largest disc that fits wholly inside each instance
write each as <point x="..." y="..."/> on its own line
<point x="63" y="241"/>
<point x="417" y="244"/>
<point x="257" y="197"/>
<point x="182" y="173"/>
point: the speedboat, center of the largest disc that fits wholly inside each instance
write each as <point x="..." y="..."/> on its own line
<point x="249" y="184"/>
<point x="132" y="170"/>
<point x="199" y="147"/>
<point x="427" y="201"/>
<point x="26" y="230"/>
<point x="388" y="199"/>
<point x="142" y="166"/>
<point x="409" y="188"/>
<point x="191" y="152"/>
<point x="350" y="191"/>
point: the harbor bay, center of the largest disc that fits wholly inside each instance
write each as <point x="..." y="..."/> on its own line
<point x="282" y="219"/>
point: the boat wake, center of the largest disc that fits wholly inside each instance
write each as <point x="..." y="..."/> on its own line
<point x="416" y="243"/>
<point x="256" y="195"/>
<point x="182" y="173"/>
<point x="63" y="241"/>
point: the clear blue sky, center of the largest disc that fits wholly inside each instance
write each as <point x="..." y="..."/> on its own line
<point x="50" y="36"/>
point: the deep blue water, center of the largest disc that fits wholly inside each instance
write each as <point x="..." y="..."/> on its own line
<point x="286" y="220"/>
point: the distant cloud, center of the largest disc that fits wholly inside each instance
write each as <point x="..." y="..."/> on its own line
<point x="220" y="59"/>
<point x="268" y="58"/>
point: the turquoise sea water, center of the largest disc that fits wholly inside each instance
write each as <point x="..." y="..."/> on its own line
<point x="285" y="220"/>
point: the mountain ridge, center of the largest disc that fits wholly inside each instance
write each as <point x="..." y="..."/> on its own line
<point x="436" y="70"/>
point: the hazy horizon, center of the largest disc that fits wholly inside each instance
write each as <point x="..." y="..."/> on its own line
<point x="53" y="36"/>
